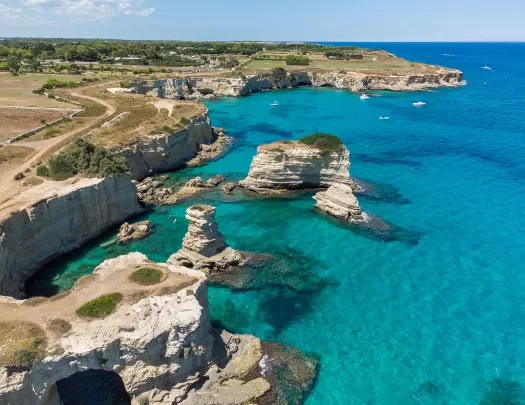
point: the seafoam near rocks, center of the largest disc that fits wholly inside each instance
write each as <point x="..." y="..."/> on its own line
<point x="292" y="165"/>
<point x="203" y="246"/>
<point x="58" y="221"/>
<point x="339" y="201"/>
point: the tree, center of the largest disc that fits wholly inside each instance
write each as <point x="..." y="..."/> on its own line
<point x="297" y="60"/>
<point x="13" y="62"/>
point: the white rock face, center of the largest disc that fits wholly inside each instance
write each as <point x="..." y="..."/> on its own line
<point x="203" y="246"/>
<point x="154" y="342"/>
<point x="289" y="166"/>
<point x="206" y="87"/>
<point x="50" y="227"/>
<point x="203" y="234"/>
<point x="340" y="202"/>
<point x="159" y="153"/>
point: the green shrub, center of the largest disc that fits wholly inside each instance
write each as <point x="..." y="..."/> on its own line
<point x="325" y="142"/>
<point x="146" y="276"/>
<point x="101" y="306"/>
<point x="279" y="73"/>
<point x="184" y="121"/>
<point x="82" y="157"/>
<point x="297" y="60"/>
<point x="19" y="176"/>
<point x="42" y="171"/>
<point x="25" y="357"/>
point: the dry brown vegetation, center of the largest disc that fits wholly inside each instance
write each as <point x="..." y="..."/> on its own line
<point x="21" y="343"/>
<point x="14" y="121"/>
<point x="11" y="155"/>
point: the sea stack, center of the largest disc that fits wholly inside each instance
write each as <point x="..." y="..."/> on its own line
<point x="204" y="246"/>
<point x="340" y="202"/>
<point x="290" y="165"/>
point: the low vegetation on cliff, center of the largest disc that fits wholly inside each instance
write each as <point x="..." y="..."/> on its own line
<point x="21" y="344"/>
<point x="100" y="307"/>
<point x="325" y="142"/>
<point x="146" y="276"/>
<point x="82" y="157"/>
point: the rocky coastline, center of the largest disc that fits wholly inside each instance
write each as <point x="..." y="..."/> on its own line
<point x="291" y="165"/>
<point x="59" y="220"/>
<point x="209" y="87"/>
<point x="156" y="343"/>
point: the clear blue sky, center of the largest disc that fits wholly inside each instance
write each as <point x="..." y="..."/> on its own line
<point x="307" y="20"/>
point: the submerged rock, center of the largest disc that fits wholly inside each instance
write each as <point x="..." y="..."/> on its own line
<point x="340" y="202"/>
<point x="203" y="246"/>
<point x="138" y="230"/>
<point x="292" y="165"/>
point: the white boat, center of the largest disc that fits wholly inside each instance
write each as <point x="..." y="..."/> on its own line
<point x="418" y="104"/>
<point x="384" y="118"/>
<point x="364" y="97"/>
<point x="486" y="67"/>
<point x="275" y="103"/>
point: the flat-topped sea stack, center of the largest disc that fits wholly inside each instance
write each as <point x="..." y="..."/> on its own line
<point x="340" y="202"/>
<point x="136" y="332"/>
<point x="203" y="246"/>
<point x="316" y="161"/>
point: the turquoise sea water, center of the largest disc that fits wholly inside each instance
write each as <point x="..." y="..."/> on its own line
<point x="434" y="315"/>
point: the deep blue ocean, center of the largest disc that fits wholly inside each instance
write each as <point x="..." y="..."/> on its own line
<point x="433" y="314"/>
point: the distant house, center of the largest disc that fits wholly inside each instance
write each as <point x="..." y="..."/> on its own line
<point x="128" y="58"/>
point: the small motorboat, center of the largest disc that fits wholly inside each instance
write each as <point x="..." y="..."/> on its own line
<point x="418" y="104"/>
<point x="275" y="103"/>
<point x="486" y="67"/>
<point x="364" y="97"/>
<point x="384" y="118"/>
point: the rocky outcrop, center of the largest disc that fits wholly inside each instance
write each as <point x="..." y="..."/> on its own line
<point x="157" y="344"/>
<point x="68" y="217"/>
<point x="292" y="165"/>
<point x="206" y="87"/>
<point x="340" y="202"/>
<point x="203" y="246"/>
<point x="154" y="154"/>
<point x="138" y="230"/>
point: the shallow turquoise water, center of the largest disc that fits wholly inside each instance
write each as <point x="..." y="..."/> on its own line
<point x="392" y="314"/>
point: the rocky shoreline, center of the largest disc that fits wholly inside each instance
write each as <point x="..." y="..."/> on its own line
<point x="209" y="87"/>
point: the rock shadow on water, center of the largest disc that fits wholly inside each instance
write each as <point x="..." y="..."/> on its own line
<point x="377" y="229"/>
<point x="269" y="129"/>
<point x="503" y="392"/>
<point x="287" y="285"/>
<point x="380" y="192"/>
<point x="389" y="158"/>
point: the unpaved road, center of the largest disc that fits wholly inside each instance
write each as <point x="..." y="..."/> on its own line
<point x="10" y="187"/>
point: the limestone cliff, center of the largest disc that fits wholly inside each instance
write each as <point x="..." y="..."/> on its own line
<point x="340" y="202"/>
<point x="206" y="87"/>
<point x="157" y="343"/>
<point x="291" y="165"/>
<point x="153" y="154"/>
<point x="59" y="222"/>
<point x="204" y="246"/>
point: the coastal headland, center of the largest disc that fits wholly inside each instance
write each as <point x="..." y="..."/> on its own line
<point x="145" y="323"/>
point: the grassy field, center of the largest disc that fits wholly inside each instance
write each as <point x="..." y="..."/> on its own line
<point x="383" y="63"/>
<point x="17" y="90"/>
<point x="14" y="121"/>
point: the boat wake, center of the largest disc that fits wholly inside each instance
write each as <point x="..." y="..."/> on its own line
<point x="419" y="104"/>
<point x="486" y="68"/>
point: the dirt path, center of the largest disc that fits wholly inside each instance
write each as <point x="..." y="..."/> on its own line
<point x="10" y="187"/>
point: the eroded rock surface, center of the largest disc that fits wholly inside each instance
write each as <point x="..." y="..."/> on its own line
<point x="339" y="201"/>
<point x="59" y="223"/>
<point x="292" y="165"/>
<point x="138" y="230"/>
<point x="203" y="246"/>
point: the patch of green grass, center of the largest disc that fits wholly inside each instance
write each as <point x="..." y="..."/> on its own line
<point x="100" y="307"/>
<point x="146" y="276"/>
<point x="21" y="344"/>
<point x="325" y="142"/>
<point x="184" y="121"/>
